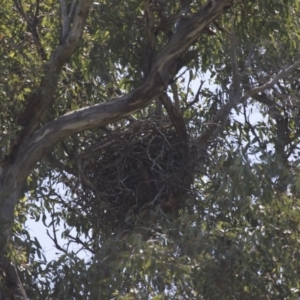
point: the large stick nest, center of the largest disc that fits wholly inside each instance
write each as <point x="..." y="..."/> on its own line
<point x="139" y="168"/>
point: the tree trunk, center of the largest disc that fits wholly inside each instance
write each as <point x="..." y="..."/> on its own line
<point x="32" y="146"/>
<point x="10" y="284"/>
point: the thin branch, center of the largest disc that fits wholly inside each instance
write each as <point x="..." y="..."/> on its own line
<point x="196" y="98"/>
<point x="38" y="102"/>
<point x="32" y="27"/>
<point x="58" y="164"/>
<point x="79" y="20"/>
<point x="248" y="61"/>
<point x="216" y="123"/>
<point x="65" y="20"/>
<point x="223" y="113"/>
<point x="253" y="131"/>
<point x="187" y="89"/>
<point x="281" y="74"/>
<point x="54" y="238"/>
<point x="235" y="87"/>
<point x="30" y="150"/>
<point x="263" y="99"/>
<point x="19" y="7"/>
<point x="84" y="245"/>
<point x="75" y="172"/>
<point x="176" y="118"/>
<point x="175" y="95"/>
<point x="37" y="9"/>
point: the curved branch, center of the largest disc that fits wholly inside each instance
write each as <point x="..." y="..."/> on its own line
<point x="39" y="101"/>
<point x="282" y="74"/>
<point x="186" y="36"/>
<point x="215" y="125"/>
<point x="162" y="72"/>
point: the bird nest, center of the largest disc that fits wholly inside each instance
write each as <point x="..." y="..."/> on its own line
<point x="133" y="170"/>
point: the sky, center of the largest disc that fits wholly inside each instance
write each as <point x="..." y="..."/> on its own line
<point x="38" y="230"/>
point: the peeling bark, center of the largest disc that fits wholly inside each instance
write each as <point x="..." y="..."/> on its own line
<point x="43" y="97"/>
<point x="31" y="147"/>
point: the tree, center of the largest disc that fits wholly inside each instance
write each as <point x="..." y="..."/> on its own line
<point x="173" y="189"/>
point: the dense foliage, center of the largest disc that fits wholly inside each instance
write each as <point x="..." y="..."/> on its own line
<point x="234" y="103"/>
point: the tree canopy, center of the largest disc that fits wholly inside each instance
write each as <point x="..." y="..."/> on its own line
<point x="157" y="143"/>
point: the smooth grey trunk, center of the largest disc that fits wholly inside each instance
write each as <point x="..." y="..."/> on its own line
<point x="32" y="145"/>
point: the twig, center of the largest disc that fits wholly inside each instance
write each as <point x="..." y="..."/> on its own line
<point x="175" y="95"/>
<point x="67" y="18"/>
<point x="224" y="112"/>
<point x="54" y="239"/>
<point x="77" y="240"/>
<point x="32" y="26"/>
<point x="196" y="98"/>
<point x="187" y="89"/>
<point x="235" y="89"/>
<point x="280" y="75"/>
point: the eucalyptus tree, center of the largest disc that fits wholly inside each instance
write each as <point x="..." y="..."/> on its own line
<point x="79" y="76"/>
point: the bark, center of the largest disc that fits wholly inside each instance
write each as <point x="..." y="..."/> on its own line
<point x="32" y="146"/>
<point x="10" y="284"/>
<point x="12" y="287"/>
<point x="38" y="102"/>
